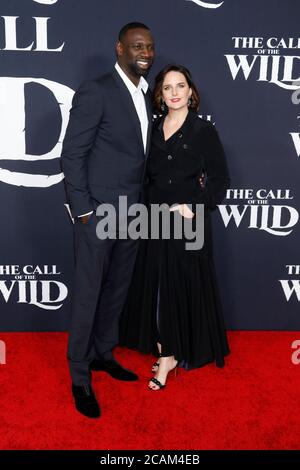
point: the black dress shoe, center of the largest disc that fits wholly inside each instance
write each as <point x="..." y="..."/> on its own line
<point x="85" y="401"/>
<point x="114" y="369"/>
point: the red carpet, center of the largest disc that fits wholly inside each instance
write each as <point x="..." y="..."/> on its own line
<point x="253" y="403"/>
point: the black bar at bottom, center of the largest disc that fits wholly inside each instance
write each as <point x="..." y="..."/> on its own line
<point x="133" y="458"/>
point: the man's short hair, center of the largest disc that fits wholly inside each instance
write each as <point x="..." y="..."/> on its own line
<point x="133" y="25"/>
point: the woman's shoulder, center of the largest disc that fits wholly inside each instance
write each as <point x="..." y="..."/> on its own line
<point x="199" y="122"/>
<point x="203" y="128"/>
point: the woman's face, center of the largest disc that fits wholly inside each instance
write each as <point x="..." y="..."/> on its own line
<point x="175" y="90"/>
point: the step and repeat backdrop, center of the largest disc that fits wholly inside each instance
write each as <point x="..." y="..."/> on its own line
<point x="245" y="58"/>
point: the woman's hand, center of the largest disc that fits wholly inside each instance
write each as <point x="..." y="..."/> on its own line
<point x="183" y="210"/>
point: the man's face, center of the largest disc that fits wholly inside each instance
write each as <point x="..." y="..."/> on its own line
<point x="136" y="52"/>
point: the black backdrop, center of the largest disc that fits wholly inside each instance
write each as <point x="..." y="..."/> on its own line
<point x="245" y="58"/>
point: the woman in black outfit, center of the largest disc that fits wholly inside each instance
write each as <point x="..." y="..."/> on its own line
<point x="173" y="307"/>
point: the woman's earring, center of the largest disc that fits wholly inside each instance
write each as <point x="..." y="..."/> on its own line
<point x="189" y="101"/>
<point x="162" y="105"/>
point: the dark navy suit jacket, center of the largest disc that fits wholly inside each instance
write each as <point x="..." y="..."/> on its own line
<point x="103" y="155"/>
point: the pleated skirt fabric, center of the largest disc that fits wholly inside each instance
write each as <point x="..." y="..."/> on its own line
<point x="174" y="299"/>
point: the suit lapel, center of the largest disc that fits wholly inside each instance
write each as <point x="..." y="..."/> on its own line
<point x="158" y="134"/>
<point x="178" y="138"/>
<point x="128" y="102"/>
<point x="147" y="97"/>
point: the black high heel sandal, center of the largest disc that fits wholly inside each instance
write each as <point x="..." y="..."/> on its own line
<point x="158" y="383"/>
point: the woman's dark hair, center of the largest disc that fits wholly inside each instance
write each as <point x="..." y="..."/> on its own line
<point x="157" y="93"/>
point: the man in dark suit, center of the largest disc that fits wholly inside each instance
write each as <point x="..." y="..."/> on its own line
<point x="103" y="157"/>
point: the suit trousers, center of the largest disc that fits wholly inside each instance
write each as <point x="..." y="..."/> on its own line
<point x="103" y="271"/>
